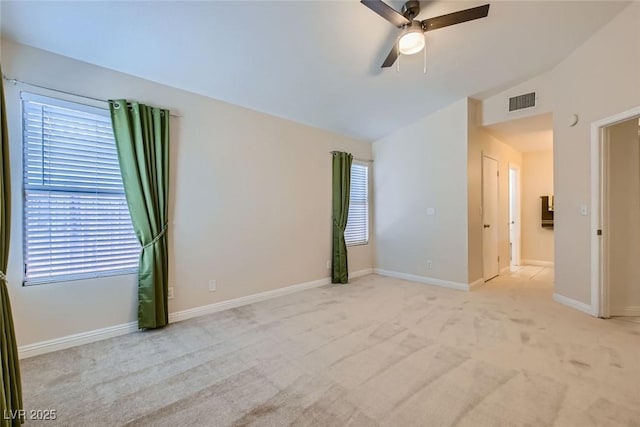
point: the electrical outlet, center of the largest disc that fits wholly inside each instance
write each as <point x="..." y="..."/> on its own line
<point x="212" y="286"/>
<point x="328" y="265"/>
<point x="170" y="293"/>
<point x="429" y="264"/>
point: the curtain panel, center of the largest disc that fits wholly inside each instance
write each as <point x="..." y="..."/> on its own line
<point x="11" y="398"/>
<point x="142" y="139"/>
<point x="341" y="185"/>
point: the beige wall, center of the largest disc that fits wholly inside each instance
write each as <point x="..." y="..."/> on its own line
<point x="537" y="180"/>
<point x="250" y="201"/>
<point x="622" y="226"/>
<point x="482" y="143"/>
<point x="599" y="79"/>
<point x="418" y="167"/>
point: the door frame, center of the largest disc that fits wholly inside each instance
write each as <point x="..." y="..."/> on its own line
<point x="492" y="157"/>
<point x="517" y="251"/>
<point x="600" y="286"/>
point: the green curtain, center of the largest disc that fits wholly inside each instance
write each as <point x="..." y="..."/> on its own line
<point x="11" y="398"/>
<point x="341" y="185"/>
<point x="142" y="138"/>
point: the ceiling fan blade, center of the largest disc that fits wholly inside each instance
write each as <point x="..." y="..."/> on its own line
<point x="386" y="11"/>
<point x="455" y="18"/>
<point x="391" y="58"/>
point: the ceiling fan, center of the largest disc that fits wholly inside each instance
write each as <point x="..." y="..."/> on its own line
<point x="411" y="39"/>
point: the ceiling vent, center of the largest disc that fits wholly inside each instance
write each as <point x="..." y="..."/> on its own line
<point x="521" y="102"/>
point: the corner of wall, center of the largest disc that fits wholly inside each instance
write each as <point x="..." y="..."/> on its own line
<point x="474" y="174"/>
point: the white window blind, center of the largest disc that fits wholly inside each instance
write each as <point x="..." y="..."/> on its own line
<point x="76" y="220"/>
<point x="357" y="231"/>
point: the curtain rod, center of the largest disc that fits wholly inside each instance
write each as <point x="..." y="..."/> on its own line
<point x="355" y="158"/>
<point x="16" y="81"/>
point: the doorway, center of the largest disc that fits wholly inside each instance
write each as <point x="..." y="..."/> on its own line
<point x="525" y="228"/>
<point x="514" y="215"/>
<point x="617" y="217"/>
<point x="490" y="252"/>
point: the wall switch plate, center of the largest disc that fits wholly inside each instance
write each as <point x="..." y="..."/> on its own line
<point x="429" y="264"/>
<point x="170" y="293"/>
<point x="583" y="210"/>
<point x="431" y="211"/>
<point x="212" y="286"/>
<point x="328" y="265"/>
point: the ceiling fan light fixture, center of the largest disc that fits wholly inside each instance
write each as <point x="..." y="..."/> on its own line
<point x="412" y="41"/>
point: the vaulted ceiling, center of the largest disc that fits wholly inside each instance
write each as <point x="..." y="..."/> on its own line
<point x="314" y="62"/>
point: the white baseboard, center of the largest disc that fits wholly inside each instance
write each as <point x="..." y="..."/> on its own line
<point x="476" y="284"/>
<point x="422" y="279"/>
<point x="536" y="262"/>
<point x="74" y="340"/>
<point x="249" y="299"/>
<point x="626" y="311"/>
<point x="578" y="305"/>
<point x="360" y="273"/>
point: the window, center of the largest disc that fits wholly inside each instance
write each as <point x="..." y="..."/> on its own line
<point x="76" y="220"/>
<point x="357" y="232"/>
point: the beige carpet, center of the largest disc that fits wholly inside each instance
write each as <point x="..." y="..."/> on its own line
<point x="379" y="351"/>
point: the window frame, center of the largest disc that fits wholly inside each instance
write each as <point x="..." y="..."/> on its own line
<point x="366" y="165"/>
<point x="75" y="105"/>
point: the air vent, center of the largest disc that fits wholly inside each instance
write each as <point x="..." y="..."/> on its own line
<point x="520" y="102"/>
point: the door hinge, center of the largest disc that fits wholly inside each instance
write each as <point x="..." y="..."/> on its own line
<point x="498" y="259"/>
<point x="498" y="173"/>
<point x="599" y="232"/>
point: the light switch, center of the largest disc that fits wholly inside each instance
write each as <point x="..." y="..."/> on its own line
<point x="431" y="211"/>
<point x="583" y="210"/>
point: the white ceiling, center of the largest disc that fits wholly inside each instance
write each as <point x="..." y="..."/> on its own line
<point x="314" y="62"/>
<point x="527" y="134"/>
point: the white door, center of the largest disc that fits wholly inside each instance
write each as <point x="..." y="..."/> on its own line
<point x="490" y="218"/>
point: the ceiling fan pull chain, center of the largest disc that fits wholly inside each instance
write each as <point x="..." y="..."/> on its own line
<point x="425" y="54"/>
<point x="398" y="64"/>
